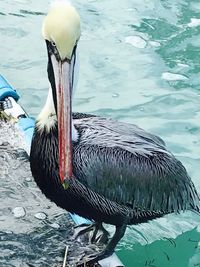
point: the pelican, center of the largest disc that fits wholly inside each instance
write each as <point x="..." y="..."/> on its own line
<point x="101" y="169"/>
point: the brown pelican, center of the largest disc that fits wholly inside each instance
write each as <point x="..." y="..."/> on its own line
<point x="99" y="168"/>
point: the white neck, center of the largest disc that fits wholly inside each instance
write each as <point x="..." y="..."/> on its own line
<point x="48" y="118"/>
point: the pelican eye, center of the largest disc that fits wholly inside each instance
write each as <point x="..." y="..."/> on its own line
<point x="53" y="44"/>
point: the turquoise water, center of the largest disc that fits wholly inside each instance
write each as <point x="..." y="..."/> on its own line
<point x="140" y="64"/>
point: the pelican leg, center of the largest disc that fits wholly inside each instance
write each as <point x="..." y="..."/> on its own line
<point x="89" y="261"/>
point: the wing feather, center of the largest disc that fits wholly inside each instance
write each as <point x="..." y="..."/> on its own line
<point x="130" y="166"/>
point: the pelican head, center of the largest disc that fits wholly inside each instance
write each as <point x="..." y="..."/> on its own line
<point x="61" y="31"/>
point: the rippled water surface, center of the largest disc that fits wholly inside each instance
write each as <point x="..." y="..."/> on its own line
<point x="140" y="63"/>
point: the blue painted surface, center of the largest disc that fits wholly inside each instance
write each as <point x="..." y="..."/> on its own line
<point x="27" y="126"/>
<point x="6" y="89"/>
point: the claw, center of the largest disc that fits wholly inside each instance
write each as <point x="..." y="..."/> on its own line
<point x="82" y="225"/>
<point x="102" y="239"/>
<point x="82" y="229"/>
<point x="96" y="228"/>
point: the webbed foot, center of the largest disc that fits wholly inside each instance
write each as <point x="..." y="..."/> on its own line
<point x="91" y="260"/>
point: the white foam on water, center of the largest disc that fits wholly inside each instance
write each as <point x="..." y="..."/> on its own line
<point x="169" y="76"/>
<point x="182" y="65"/>
<point x="194" y="23"/>
<point x="154" y="43"/>
<point x="136" y="41"/>
<point x="115" y="95"/>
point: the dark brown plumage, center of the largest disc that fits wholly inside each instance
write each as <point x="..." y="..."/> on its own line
<point x="123" y="175"/>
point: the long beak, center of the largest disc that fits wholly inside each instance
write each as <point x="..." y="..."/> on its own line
<point x="64" y="115"/>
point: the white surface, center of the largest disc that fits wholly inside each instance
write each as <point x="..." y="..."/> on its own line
<point x="40" y="216"/>
<point x="19" y="212"/>
<point x="112" y="261"/>
<point x="16" y="110"/>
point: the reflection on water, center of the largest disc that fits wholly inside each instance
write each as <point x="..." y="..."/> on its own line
<point x="139" y="64"/>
